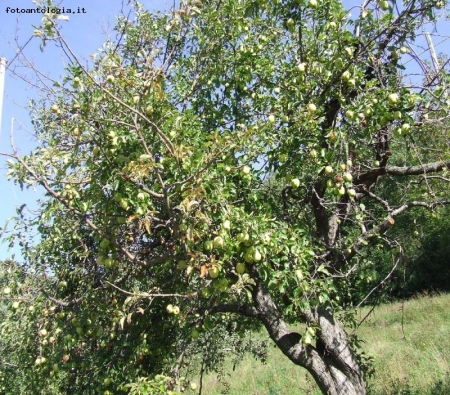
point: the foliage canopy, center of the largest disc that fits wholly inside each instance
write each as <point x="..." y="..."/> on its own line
<point x="229" y="164"/>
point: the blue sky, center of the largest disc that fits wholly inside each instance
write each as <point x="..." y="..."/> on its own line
<point x="85" y="32"/>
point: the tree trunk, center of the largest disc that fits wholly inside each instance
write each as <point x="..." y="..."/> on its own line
<point x="331" y="362"/>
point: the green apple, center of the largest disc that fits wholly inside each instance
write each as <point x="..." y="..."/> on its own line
<point x="218" y="242"/>
<point x="339" y="63"/>
<point x="193" y="386"/>
<point x="383" y="121"/>
<point x="226" y="225"/>
<point x="290" y="24"/>
<point x="347" y="177"/>
<point x="346" y="75"/>
<point x="398" y="132"/>
<point x="182" y="265"/>
<point x="349" y="163"/>
<point x="248" y="256"/>
<point x="79" y="330"/>
<point x="176" y="310"/>
<point x="257" y="256"/>
<point x="31" y="309"/>
<point x="397" y="115"/>
<point x="183" y="227"/>
<point x="213" y="272"/>
<point x="350" y="114"/>
<point x="195" y="334"/>
<point x="104" y="244"/>
<point x="54" y="108"/>
<point x="246" y="169"/>
<point x="393" y="98"/>
<point x="110" y="79"/>
<point x="15" y="305"/>
<point x="240" y="268"/>
<point x="313" y="3"/>
<point x="283" y="158"/>
<point x="368" y="112"/>
<point x="330" y="184"/>
<point x="55" y="367"/>
<point x="223" y="285"/>
<point x="227" y="169"/>
<point x="76" y="82"/>
<point x="313" y="153"/>
<point x="406" y="127"/>
<point x="208" y="245"/>
<point x="312" y="107"/>
<point x="295" y="183"/>
<point x="340" y="191"/>
<point x="328" y="170"/>
<point x="285" y="118"/>
<point x="376" y="163"/>
<point x="107" y="381"/>
<point x="124" y="203"/>
<point x="243" y="237"/>
<point x="169" y="308"/>
<point x="7" y="290"/>
<point x="404" y="50"/>
<point x="342" y="166"/>
<point x="351" y="193"/>
<point x="384" y="5"/>
<point x="301" y="67"/>
<point x="108" y="263"/>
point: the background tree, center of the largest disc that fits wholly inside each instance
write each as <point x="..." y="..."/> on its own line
<point x="228" y="165"/>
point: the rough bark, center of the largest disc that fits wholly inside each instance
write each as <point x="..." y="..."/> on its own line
<point x="331" y="362"/>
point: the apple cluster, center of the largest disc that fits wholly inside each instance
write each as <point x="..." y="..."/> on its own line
<point x="341" y="184"/>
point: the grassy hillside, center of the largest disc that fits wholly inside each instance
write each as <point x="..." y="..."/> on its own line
<point x="410" y="343"/>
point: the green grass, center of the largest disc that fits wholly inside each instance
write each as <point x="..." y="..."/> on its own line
<point x="410" y="344"/>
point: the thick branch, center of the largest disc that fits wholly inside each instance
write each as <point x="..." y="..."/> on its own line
<point x="383" y="227"/>
<point x="417" y="170"/>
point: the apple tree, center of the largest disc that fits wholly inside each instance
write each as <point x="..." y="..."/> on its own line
<point x="224" y="166"/>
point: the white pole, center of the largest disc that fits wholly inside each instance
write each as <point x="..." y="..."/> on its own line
<point x="434" y="58"/>
<point x="2" y="88"/>
<point x="433" y="53"/>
